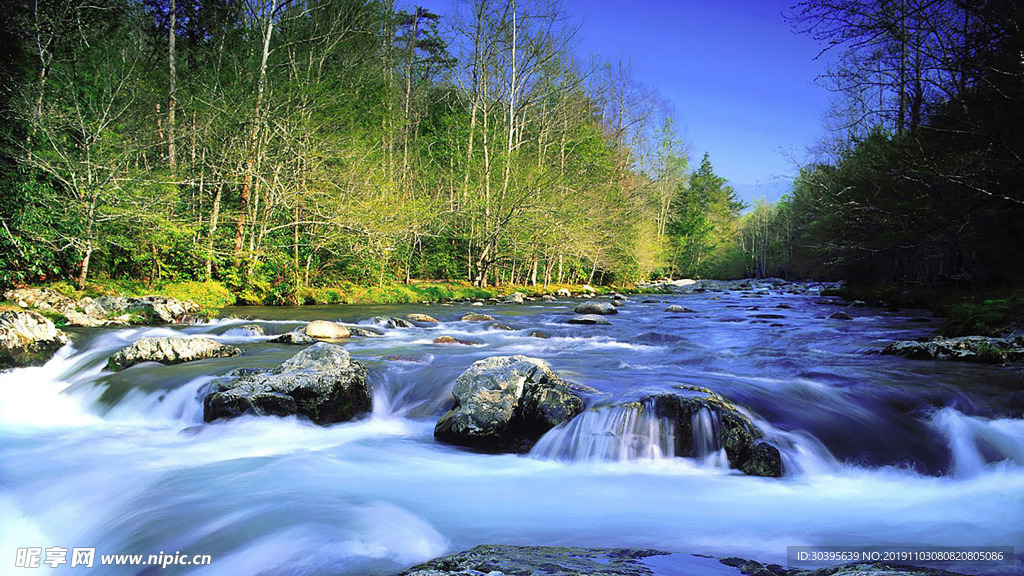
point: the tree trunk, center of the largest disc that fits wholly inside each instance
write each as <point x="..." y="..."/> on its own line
<point x="171" y="152"/>
<point x="214" y="215"/>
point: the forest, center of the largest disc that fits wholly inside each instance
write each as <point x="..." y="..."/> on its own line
<point x="276" y="146"/>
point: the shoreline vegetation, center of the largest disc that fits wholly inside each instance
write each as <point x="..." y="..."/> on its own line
<point x="992" y="313"/>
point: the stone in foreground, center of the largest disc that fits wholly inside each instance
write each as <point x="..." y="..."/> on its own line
<point x="505" y="560"/>
<point x="603" y="308"/>
<point x="167" y="350"/>
<point x="505" y="403"/>
<point x="321" y="383"/>
<point x="28" y="339"/>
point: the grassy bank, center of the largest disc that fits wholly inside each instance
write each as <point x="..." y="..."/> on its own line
<point x="212" y="296"/>
<point x="987" y="313"/>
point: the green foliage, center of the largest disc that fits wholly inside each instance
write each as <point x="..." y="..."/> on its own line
<point x="210" y="296"/>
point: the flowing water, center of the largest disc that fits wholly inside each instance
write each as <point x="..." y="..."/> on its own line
<point x="878" y="450"/>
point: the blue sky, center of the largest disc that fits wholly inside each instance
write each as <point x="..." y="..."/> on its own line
<point x="740" y="81"/>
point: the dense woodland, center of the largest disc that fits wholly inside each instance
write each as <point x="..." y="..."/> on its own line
<point x="273" y="145"/>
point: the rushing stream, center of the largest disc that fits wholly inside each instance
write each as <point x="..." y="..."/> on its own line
<point x="878" y="450"/>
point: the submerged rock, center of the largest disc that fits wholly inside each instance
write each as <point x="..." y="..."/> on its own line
<point x="505" y="403"/>
<point x="365" y="331"/>
<point x="322" y="383"/>
<point x="254" y="329"/>
<point x="170" y="350"/>
<point x="28" y="339"/>
<point x="603" y="308"/>
<point x="980" y="349"/>
<point x="500" y="326"/>
<point x="326" y="330"/>
<point x="733" y="432"/>
<point x="677" y="309"/>
<point x="840" y="316"/>
<point x="589" y="319"/>
<point x="453" y="340"/>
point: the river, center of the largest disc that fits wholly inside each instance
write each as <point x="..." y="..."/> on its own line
<point x="878" y="450"/>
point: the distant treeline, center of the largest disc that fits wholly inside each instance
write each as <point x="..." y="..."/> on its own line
<point x="276" y="144"/>
<point x="924" y="183"/>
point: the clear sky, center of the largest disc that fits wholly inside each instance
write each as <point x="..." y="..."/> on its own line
<point x="740" y="81"/>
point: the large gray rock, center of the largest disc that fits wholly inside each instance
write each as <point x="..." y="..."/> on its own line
<point x="167" y="350"/>
<point x="477" y="318"/>
<point x="563" y="293"/>
<point x="505" y="403"/>
<point x="28" y="339"/>
<point x="741" y="439"/>
<point x="326" y="330"/>
<point x="322" y="383"/>
<point x="603" y="308"/>
<point x="980" y="349"/>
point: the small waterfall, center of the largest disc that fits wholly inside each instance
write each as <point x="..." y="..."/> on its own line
<point x="976" y="443"/>
<point x="707" y="449"/>
<point x="609" y="433"/>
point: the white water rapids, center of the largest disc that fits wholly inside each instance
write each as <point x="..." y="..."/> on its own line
<point x="878" y="450"/>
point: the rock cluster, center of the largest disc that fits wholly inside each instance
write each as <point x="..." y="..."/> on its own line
<point x="106" y="310"/>
<point x="322" y="383"/>
<point x="980" y="349"/>
<point x="28" y="339"/>
<point x="505" y="403"/>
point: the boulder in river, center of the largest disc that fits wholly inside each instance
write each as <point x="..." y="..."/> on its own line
<point x="322" y="383"/>
<point x="326" y="330"/>
<point x="28" y="339"/>
<point x="677" y="309"/>
<point x="603" y="308"/>
<point x="477" y="318"/>
<point x="840" y="316"/>
<point x="548" y="298"/>
<point x="563" y="293"/>
<point x="980" y="349"/>
<point x="515" y="298"/>
<point x="730" y="429"/>
<point x="425" y="318"/>
<point x="505" y="403"/>
<point x="170" y="350"/>
<point x="294" y="338"/>
<point x="589" y="319"/>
